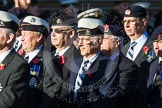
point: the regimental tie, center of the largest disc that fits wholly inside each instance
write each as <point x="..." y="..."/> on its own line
<point x="81" y="75"/>
<point x="131" y="50"/>
<point x="26" y="57"/>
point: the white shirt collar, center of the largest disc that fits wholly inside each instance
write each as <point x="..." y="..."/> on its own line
<point x="92" y="58"/>
<point x="61" y="52"/>
<point x="4" y="54"/>
<point x="34" y="53"/>
<point x="141" y="38"/>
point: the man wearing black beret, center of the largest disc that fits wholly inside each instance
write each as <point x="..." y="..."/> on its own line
<point x="139" y="49"/>
<point x="154" y="83"/>
<point x="111" y="47"/>
<point x="60" y="52"/>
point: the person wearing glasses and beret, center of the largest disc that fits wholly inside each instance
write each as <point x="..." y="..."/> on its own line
<point x="14" y="70"/>
<point x="61" y="52"/>
<point x="154" y="83"/>
<point x="139" y="49"/>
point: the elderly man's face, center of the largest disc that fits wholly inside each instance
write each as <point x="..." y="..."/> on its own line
<point x="88" y="45"/>
<point x="59" y="37"/>
<point x="3" y="38"/>
<point x="108" y="43"/>
<point x="29" y="40"/>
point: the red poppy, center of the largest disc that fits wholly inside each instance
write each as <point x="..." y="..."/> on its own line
<point x="36" y="60"/>
<point x="2" y="66"/>
<point x="89" y="74"/>
<point x="21" y="51"/>
<point x="145" y="49"/>
<point x="62" y="60"/>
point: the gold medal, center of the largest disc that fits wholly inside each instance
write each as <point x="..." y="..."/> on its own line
<point x="34" y="73"/>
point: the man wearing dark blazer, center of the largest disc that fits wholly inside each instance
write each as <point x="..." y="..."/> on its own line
<point x="34" y="32"/>
<point x="14" y="71"/>
<point x="125" y="69"/>
<point x="154" y="80"/>
<point x="59" y="52"/>
<point x="139" y="49"/>
<point x="87" y="72"/>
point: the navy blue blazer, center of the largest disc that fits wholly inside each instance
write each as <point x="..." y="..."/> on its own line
<point x="153" y="89"/>
<point x="87" y="96"/>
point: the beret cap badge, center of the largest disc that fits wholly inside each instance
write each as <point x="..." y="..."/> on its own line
<point x="59" y="21"/>
<point x="127" y="12"/>
<point x="2" y="23"/>
<point x="87" y="32"/>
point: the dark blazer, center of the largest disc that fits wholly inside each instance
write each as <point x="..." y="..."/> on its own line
<point x="56" y="79"/>
<point x="94" y="77"/>
<point x="128" y="71"/>
<point x="35" y="82"/>
<point x="13" y="81"/>
<point x="153" y="89"/>
<point x="119" y="88"/>
<point x="143" y="64"/>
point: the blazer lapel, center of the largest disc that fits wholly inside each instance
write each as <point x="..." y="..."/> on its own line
<point x="141" y="55"/>
<point x="68" y="58"/>
<point x="125" y="48"/>
<point x="74" y="69"/>
<point x="7" y="61"/>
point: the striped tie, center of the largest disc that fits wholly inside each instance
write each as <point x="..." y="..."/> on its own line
<point x="26" y="58"/>
<point x="81" y="75"/>
<point x="131" y="50"/>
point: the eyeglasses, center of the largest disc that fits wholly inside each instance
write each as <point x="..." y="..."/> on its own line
<point x="83" y="39"/>
<point x="59" y="31"/>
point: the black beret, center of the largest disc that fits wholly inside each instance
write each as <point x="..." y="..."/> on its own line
<point x="63" y="19"/>
<point x="113" y="30"/>
<point x="135" y="11"/>
<point x="157" y="33"/>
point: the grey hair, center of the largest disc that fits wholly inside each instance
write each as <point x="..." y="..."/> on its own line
<point x="120" y="39"/>
<point x="8" y="31"/>
<point x="94" y="40"/>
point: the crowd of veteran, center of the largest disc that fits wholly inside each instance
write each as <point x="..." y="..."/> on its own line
<point x="78" y="59"/>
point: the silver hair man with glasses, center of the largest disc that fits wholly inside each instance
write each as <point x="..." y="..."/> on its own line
<point x="87" y="71"/>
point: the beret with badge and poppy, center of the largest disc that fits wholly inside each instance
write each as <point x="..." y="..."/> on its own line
<point x="157" y="34"/>
<point x="113" y="30"/>
<point x="135" y="11"/>
<point x="89" y="23"/>
<point x="8" y="20"/>
<point x="33" y="23"/>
